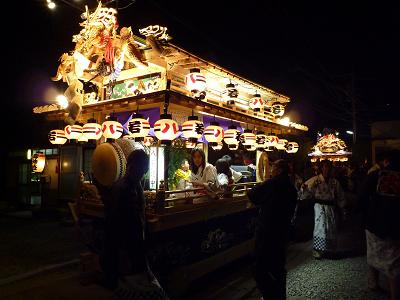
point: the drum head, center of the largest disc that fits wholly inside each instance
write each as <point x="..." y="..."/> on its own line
<point x="108" y="163"/>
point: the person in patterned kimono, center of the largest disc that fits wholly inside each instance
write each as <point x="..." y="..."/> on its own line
<point x="327" y="194"/>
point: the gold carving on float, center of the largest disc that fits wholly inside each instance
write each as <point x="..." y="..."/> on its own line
<point x="101" y="52"/>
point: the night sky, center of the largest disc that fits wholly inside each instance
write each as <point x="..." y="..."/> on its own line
<point x="311" y="51"/>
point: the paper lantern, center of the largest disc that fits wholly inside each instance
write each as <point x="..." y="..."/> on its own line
<point x="248" y="139"/>
<point x="138" y="127"/>
<point x="271" y="141"/>
<point x="91" y="130"/>
<point x="83" y="139"/>
<point x="148" y="141"/>
<point x="292" y="147"/>
<point x="190" y="145"/>
<point x="192" y="129"/>
<point x="252" y="148"/>
<point x="166" y="129"/>
<point x="278" y="110"/>
<point x="232" y="137"/>
<point x="256" y="102"/>
<point x="261" y="140"/>
<point x="230" y="94"/>
<point x="128" y="137"/>
<point x="218" y="146"/>
<point x="214" y="133"/>
<point x="38" y="162"/>
<point x="269" y="149"/>
<point x="281" y="145"/>
<point x="233" y="147"/>
<point x="112" y="129"/>
<point x="196" y="83"/>
<point x="179" y="143"/>
<point x="73" y="132"/>
<point x="57" y="137"/>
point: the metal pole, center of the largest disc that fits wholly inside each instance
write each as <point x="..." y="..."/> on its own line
<point x="354" y="107"/>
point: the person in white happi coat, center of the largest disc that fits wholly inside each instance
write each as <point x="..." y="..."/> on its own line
<point x="327" y="194"/>
<point x="203" y="174"/>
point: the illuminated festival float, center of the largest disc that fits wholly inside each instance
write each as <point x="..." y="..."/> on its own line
<point x="125" y="92"/>
<point x="329" y="147"/>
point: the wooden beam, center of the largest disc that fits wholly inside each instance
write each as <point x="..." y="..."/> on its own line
<point x="214" y="109"/>
<point x="156" y="99"/>
<point x="211" y="65"/>
<point x="193" y="65"/>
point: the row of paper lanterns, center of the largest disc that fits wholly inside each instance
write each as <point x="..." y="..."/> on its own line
<point x="90" y="131"/>
<point x="196" y="83"/>
<point x="166" y="130"/>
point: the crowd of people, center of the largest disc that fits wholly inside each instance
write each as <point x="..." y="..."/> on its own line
<point x="333" y="189"/>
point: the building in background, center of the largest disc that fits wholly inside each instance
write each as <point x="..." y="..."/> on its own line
<point x="384" y="136"/>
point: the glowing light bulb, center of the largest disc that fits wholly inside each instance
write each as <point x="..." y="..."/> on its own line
<point x="51" y="5"/>
<point x="62" y="101"/>
<point x="285" y="121"/>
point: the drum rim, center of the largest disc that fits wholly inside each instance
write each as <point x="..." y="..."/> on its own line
<point x="121" y="164"/>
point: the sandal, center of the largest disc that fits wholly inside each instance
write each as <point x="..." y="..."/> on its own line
<point x="318" y="254"/>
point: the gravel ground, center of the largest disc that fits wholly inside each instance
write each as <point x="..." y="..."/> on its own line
<point x="308" y="279"/>
<point x="331" y="279"/>
<point x="343" y="279"/>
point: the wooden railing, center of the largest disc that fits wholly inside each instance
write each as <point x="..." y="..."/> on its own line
<point x="179" y="200"/>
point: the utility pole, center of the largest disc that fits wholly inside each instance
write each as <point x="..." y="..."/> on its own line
<point x="353" y="105"/>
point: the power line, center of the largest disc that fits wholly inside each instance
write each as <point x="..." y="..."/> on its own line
<point x="131" y="2"/>
<point x="126" y="6"/>
<point x="72" y="5"/>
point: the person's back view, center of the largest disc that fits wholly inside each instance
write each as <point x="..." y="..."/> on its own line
<point x="124" y="258"/>
<point x="224" y="174"/>
<point x="381" y="204"/>
<point x="276" y="199"/>
<point x="236" y="176"/>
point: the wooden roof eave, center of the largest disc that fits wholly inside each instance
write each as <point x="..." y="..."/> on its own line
<point x="213" y="109"/>
<point x="114" y="105"/>
<point x="157" y="99"/>
<point x="281" y="97"/>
